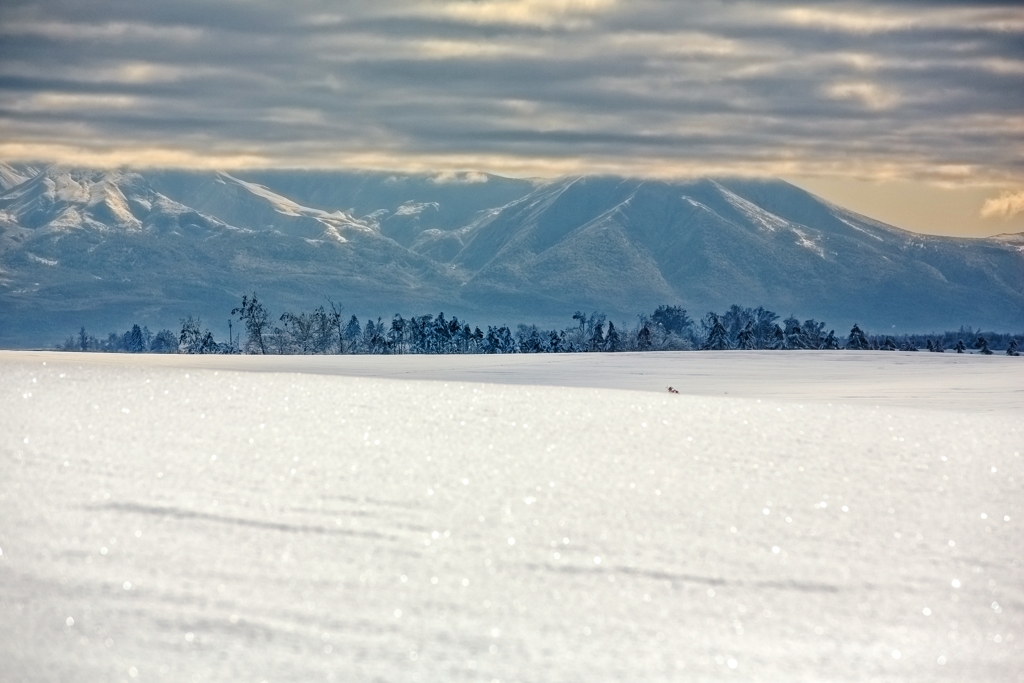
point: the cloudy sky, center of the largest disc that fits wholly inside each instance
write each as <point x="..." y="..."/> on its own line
<point x="912" y="112"/>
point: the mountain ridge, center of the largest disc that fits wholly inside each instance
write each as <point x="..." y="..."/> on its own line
<point x="109" y="248"/>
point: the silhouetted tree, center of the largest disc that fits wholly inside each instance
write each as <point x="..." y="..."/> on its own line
<point x="672" y="319"/>
<point x="745" y="338"/>
<point x="613" y="342"/>
<point x="254" y="315"/>
<point x="643" y="338"/>
<point x="597" y="336"/>
<point x="717" y="338"/>
<point x="857" y="341"/>
<point x="164" y="341"/>
<point x="194" y="339"/>
<point x="134" y="342"/>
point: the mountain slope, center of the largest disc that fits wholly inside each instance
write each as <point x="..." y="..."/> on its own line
<point x="106" y="249"/>
<point x="624" y="244"/>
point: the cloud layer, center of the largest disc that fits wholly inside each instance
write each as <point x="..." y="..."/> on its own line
<point x="542" y="87"/>
<point x="1006" y="205"/>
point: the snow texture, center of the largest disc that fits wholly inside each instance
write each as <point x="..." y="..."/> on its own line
<point x="163" y="519"/>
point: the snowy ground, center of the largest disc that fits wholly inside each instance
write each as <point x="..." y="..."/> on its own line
<point x="189" y="519"/>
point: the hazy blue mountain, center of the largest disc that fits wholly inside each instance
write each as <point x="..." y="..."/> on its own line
<point x="105" y="249"/>
<point x="102" y="249"/>
<point x="624" y="244"/>
<point x="401" y="207"/>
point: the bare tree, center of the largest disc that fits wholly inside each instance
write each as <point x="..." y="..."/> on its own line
<point x="252" y="313"/>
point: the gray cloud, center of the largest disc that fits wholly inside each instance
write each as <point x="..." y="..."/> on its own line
<point x="893" y="89"/>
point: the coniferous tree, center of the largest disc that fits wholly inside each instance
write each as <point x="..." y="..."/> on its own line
<point x="555" y="342"/>
<point x="794" y="336"/>
<point x="717" y="338"/>
<point x="745" y="338"/>
<point x="813" y="334"/>
<point x="643" y="338"/>
<point x="857" y="340"/>
<point x="613" y="342"/>
<point x="673" y="319"/>
<point x="830" y="343"/>
<point x="1011" y="349"/>
<point x="83" y="339"/>
<point x="164" y="341"/>
<point x="982" y="345"/>
<point x="369" y="330"/>
<point x="960" y="348"/>
<point x="353" y="333"/>
<point x="597" y="337"/>
<point x="766" y="333"/>
<point x="134" y="341"/>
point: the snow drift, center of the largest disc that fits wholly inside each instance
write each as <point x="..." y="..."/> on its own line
<point x="174" y="523"/>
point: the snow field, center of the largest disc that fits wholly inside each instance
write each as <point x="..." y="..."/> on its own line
<point x="163" y="523"/>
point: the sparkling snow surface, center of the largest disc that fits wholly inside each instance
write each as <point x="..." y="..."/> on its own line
<point x="184" y="519"/>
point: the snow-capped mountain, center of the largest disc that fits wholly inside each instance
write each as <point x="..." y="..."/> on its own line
<point x="108" y="248"/>
<point x="628" y="244"/>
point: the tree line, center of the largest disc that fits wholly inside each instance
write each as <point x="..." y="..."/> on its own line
<point x="324" y="330"/>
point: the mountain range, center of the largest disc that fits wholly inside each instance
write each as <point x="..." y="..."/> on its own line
<point x="106" y="249"/>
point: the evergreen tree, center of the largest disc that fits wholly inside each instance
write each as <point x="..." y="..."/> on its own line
<point x="982" y="344"/>
<point x="745" y="338"/>
<point x="960" y="348"/>
<point x="369" y="331"/>
<point x="673" y="319"/>
<point x="794" y="336"/>
<point x="164" y="341"/>
<point x="766" y="333"/>
<point x="930" y="347"/>
<point x="613" y="342"/>
<point x="555" y="342"/>
<point x="353" y="333"/>
<point x="937" y="346"/>
<point x="1011" y="350"/>
<point x="857" y="341"/>
<point x="735" y="320"/>
<point x="396" y="335"/>
<point x="597" y="338"/>
<point x="813" y="334"/>
<point x="134" y="341"/>
<point x="717" y="338"/>
<point x="643" y="338"/>
<point x="83" y="340"/>
<point x="830" y="343"/>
